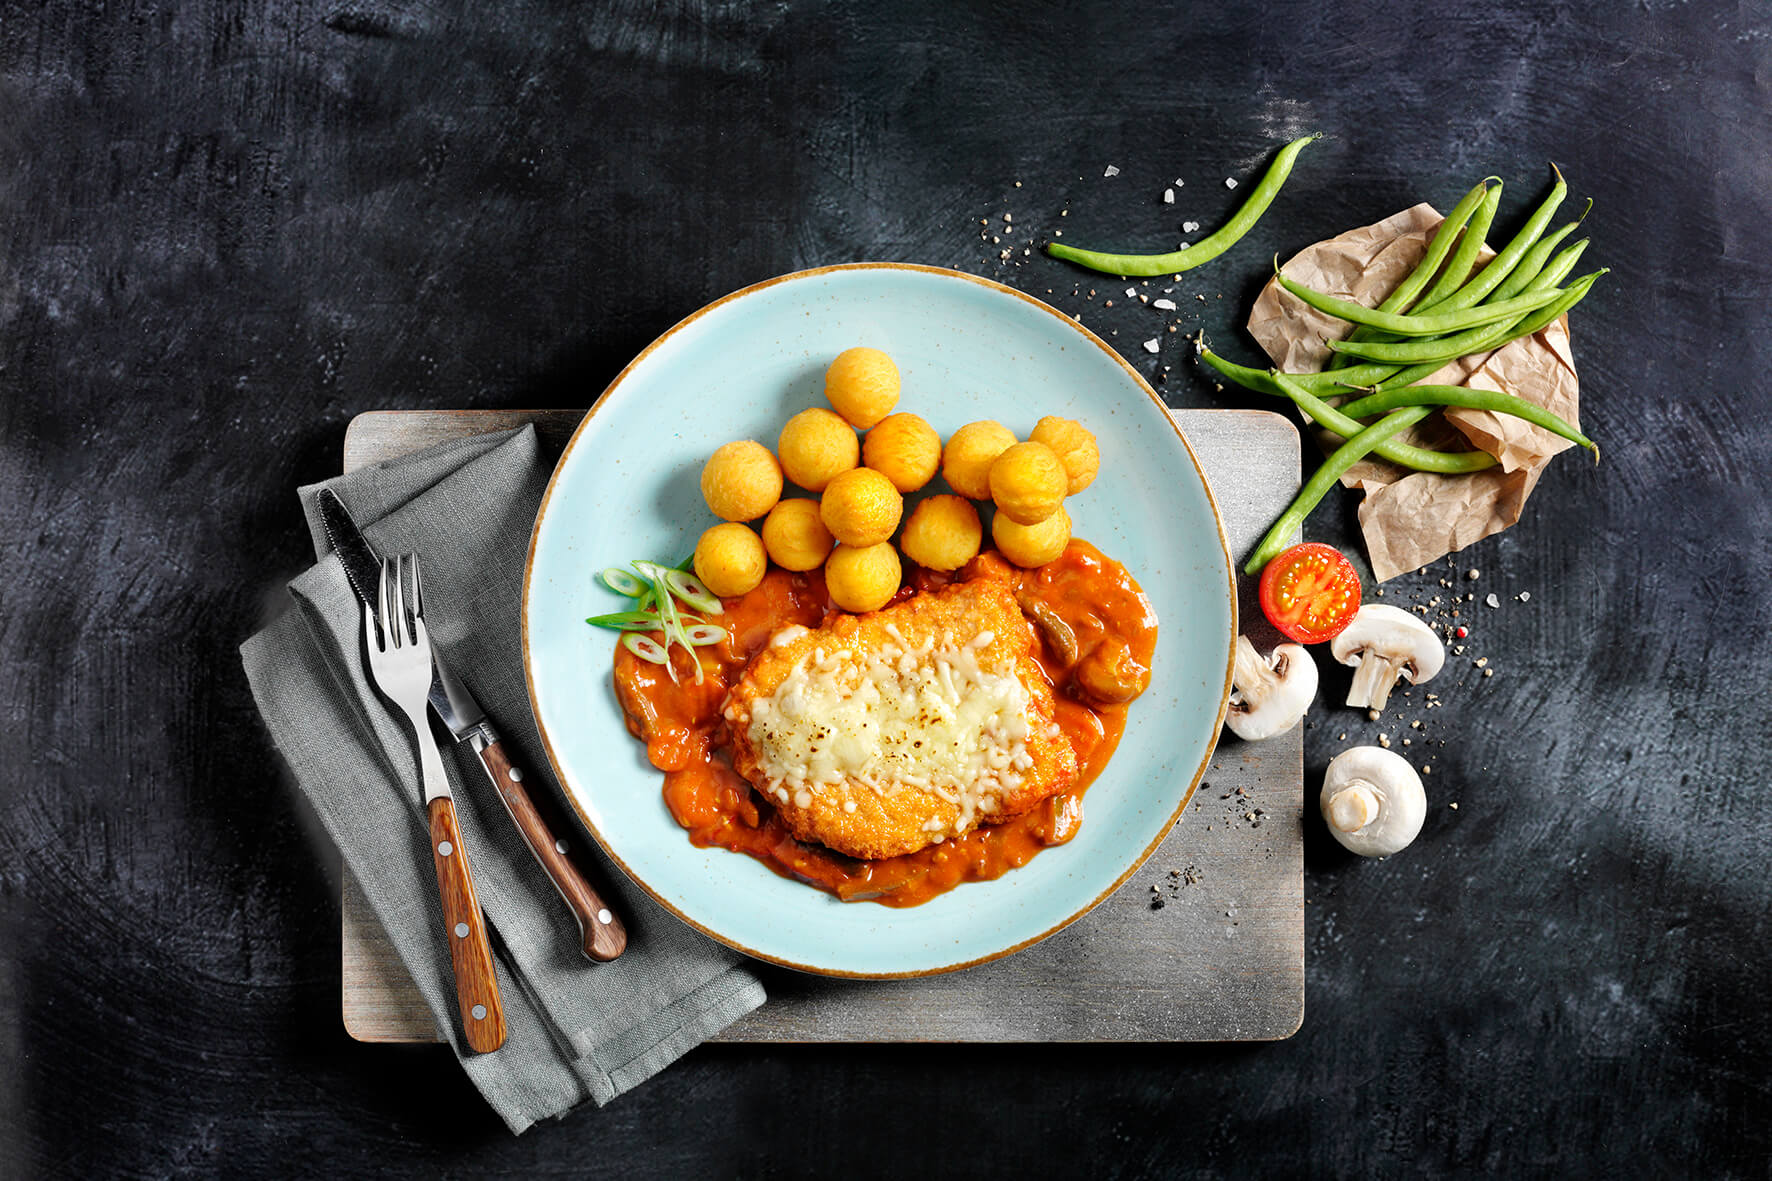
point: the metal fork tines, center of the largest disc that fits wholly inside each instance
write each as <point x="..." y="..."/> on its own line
<point x="399" y="650"/>
<point x="400" y="659"/>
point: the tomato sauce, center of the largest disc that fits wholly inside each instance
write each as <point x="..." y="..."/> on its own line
<point x="1094" y="637"/>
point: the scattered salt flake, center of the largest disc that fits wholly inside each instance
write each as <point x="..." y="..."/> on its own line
<point x="1111" y="171"/>
<point x="1492" y="601"/>
<point x="1453" y="805"/>
<point x="1525" y="596"/>
<point x="1188" y="227"/>
<point x="1152" y="345"/>
<point x="1131" y="291"/>
<point x="1230" y="182"/>
<point x="1180" y="184"/>
<point x="1167" y="305"/>
<point x="1168" y="196"/>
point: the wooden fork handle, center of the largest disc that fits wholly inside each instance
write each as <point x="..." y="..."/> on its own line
<point x="601" y="928"/>
<point x="476" y="987"/>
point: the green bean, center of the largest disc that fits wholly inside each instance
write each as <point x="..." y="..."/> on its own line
<point x="1549" y="277"/>
<point x="1450" y="348"/>
<point x="1498" y="268"/>
<point x="1382" y="377"/>
<point x="1470" y="399"/>
<point x="1412" y="325"/>
<point x="1315" y="488"/>
<point x="1290" y="385"/>
<point x="1465" y="257"/>
<point x="1444" y="235"/>
<point x="1400" y="299"/>
<point x="1532" y="265"/>
<point x="1522" y="278"/>
<point x="1362" y="377"/>
<point x="1206" y="249"/>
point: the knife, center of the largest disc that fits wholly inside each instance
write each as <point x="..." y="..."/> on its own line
<point x="604" y="936"/>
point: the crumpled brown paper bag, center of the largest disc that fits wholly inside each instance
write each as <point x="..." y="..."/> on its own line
<point x="1412" y="518"/>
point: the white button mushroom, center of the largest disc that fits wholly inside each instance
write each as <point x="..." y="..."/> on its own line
<point x="1384" y="643"/>
<point x="1373" y="801"/>
<point x="1268" y="697"/>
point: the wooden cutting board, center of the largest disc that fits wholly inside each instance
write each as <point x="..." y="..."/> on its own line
<point x="1222" y="959"/>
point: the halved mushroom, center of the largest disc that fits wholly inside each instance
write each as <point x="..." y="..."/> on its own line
<point x="1110" y="674"/>
<point x="1383" y="643"/>
<point x="1373" y="801"/>
<point x="1269" y="696"/>
<point x="1059" y="636"/>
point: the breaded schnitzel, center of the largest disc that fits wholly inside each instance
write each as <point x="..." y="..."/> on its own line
<point x="878" y="734"/>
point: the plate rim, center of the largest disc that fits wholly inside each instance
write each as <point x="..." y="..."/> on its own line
<point x="1230" y="591"/>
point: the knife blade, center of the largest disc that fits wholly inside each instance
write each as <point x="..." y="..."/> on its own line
<point x="604" y="935"/>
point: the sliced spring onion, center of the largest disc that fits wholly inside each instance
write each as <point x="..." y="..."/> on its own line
<point x="667" y="612"/>
<point x="705" y="633"/>
<point x="646" y="648"/>
<point x="626" y="621"/>
<point x="655" y="590"/>
<point x="623" y="583"/>
<point x="690" y="589"/>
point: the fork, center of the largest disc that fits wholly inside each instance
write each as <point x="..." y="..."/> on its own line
<point x="400" y="664"/>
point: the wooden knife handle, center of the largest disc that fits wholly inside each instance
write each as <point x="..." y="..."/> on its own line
<point x="604" y="935"/>
<point x="476" y="988"/>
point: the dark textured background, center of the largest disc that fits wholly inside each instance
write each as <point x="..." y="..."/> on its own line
<point x="227" y="228"/>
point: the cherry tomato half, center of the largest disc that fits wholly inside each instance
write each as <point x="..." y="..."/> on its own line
<point x="1310" y="592"/>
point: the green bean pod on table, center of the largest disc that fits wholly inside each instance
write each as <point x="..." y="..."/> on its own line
<point x="1207" y="248"/>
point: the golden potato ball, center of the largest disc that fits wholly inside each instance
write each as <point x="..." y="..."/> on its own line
<point x="1032" y="545"/>
<point x="1076" y="448"/>
<point x="861" y="507"/>
<point x="795" y="536"/>
<point x="943" y="533"/>
<point x="741" y="481"/>
<point x="815" y="446"/>
<point x="966" y="460"/>
<point x="862" y="577"/>
<point x="1028" y="482"/>
<point x="729" y="559"/>
<point x="904" y="449"/>
<point x="862" y="384"/>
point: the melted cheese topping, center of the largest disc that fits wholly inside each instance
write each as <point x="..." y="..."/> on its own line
<point x="925" y="717"/>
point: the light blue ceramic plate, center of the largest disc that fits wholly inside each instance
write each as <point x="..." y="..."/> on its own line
<point x="968" y="349"/>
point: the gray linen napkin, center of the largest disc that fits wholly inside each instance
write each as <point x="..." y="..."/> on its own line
<point x="577" y="1030"/>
